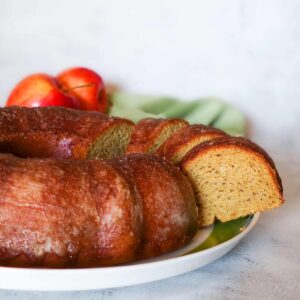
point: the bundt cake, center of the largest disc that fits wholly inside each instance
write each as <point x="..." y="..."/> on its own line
<point x="61" y="207"/>
<point x="183" y="140"/>
<point x="62" y="133"/>
<point x="148" y="134"/>
<point x="231" y="177"/>
<point x="58" y="213"/>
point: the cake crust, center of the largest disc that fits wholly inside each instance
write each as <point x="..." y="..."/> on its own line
<point x="169" y="205"/>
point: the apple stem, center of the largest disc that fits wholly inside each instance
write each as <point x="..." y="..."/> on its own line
<point x="78" y="87"/>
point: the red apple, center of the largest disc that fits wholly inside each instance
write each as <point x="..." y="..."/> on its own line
<point x="40" y="90"/>
<point x="86" y="86"/>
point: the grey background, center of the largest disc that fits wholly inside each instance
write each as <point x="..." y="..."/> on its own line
<point x="247" y="52"/>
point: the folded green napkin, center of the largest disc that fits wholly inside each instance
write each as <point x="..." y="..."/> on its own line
<point x="208" y="111"/>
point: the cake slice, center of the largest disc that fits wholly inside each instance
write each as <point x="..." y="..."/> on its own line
<point x="232" y="177"/>
<point x="183" y="140"/>
<point x="149" y="134"/>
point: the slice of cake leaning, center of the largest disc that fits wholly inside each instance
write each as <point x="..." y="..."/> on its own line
<point x="232" y="177"/>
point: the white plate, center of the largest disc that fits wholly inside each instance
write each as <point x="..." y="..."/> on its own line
<point x="172" y="264"/>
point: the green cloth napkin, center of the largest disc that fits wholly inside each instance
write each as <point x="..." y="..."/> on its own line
<point x="208" y="111"/>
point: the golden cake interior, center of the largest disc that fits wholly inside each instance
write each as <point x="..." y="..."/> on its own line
<point x="112" y="143"/>
<point x="231" y="182"/>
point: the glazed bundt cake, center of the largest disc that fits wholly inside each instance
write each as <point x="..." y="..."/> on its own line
<point x="58" y="213"/>
<point x="231" y="177"/>
<point x="183" y="140"/>
<point x="62" y="133"/>
<point x="70" y="198"/>
<point x="148" y="134"/>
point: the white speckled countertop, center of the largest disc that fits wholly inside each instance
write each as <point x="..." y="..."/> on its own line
<point x="246" y="52"/>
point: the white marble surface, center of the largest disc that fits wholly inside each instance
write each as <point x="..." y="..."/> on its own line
<point x="245" y="51"/>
